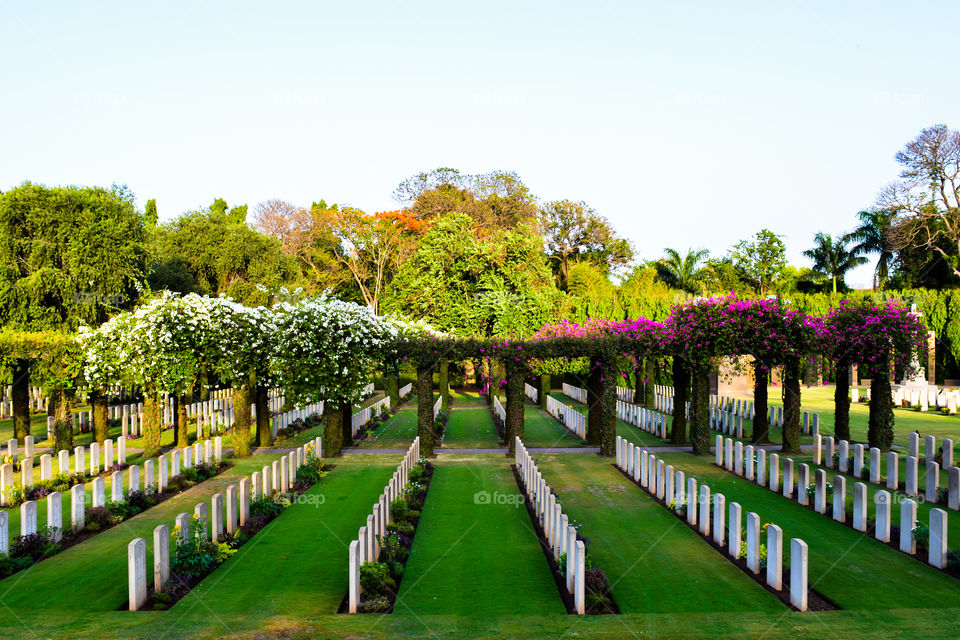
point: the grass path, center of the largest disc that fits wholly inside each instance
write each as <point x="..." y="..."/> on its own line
<point x="850" y="568"/>
<point x="543" y="430"/>
<point x="470" y="426"/>
<point x="299" y="561"/>
<point x="476" y="559"/>
<point x="654" y="562"/>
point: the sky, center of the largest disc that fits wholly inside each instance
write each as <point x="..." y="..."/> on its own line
<point x="686" y="124"/>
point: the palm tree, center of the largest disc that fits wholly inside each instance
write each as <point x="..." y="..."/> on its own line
<point x="872" y="236"/>
<point x="832" y="258"/>
<point x="683" y="272"/>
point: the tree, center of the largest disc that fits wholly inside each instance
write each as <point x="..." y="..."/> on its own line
<point x="683" y="272"/>
<point x="305" y="235"/>
<point x="873" y="236"/>
<point x="760" y="262"/>
<point x="573" y="231"/>
<point x="832" y="258"/>
<point x="222" y="256"/>
<point x="150" y="214"/>
<point x="371" y="248"/>
<point x="926" y="198"/>
<point x="68" y="255"/>
<point x="495" y="200"/>
<point x="474" y="285"/>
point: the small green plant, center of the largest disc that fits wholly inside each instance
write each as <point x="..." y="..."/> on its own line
<point x="373" y="578"/>
<point x="921" y="533"/>
<point x="195" y="556"/>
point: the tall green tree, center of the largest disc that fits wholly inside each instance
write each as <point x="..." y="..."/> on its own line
<point x="214" y="253"/>
<point x="68" y="256"/>
<point x="573" y="231"/>
<point x="833" y="258"/>
<point x="873" y="236"/>
<point x="684" y="272"/>
<point x="761" y="261"/>
<point x="475" y="284"/>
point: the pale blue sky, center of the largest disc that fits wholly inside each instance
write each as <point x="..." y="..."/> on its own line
<point x="685" y="123"/>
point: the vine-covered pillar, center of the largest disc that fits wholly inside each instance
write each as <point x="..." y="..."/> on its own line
<point x="59" y="405"/>
<point x="880" y="425"/>
<point x="391" y="382"/>
<point x="544" y="390"/>
<point x="346" y="423"/>
<point x="425" y="408"/>
<point x="650" y="373"/>
<point x="791" y="405"/>
<point x="264" y="436"/>
<point x="152" y="427"/>
<point x="594" y="391"/>
<point x="761" y="420"/>
<point x="332" y="430"/>
<point x="181" y="422"/>
<point x="700" y="409"/>
<point x="841" y="401"/>
<point x="99" y="409"/>
<point x="681" y="380"/>
<point x="514" y="408"/>
<point x="444" y="371"/>
<point x="603" y="405"/>
<point x="240" y="432"/>
<point x="20" y="396"/>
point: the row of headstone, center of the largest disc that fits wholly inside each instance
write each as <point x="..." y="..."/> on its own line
<point x="577" y="393"/>
<point x="366" y="548"/>
<point x="283" y="420"/>
<point x="731" y="457"/>
<point x="559" y="533"/>
<point x="625" y="394"/>
<point x="569" y="417"/>
<point x="498" y="409"/>
<point x="364" y="416"/>
<point x="439" y="403"/>
<point x="406" y="389"/>
<point x="26" y="463"/>
<point x="671" y="487"/>
<point x="531" y="392"/>
<point x="648" y="420"/>
<point x="226" y="512"/>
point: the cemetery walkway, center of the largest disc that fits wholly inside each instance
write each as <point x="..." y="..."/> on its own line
<point x="655" y="563"/>
<point x="475" y="552"/>
<point x="299" y="562"/>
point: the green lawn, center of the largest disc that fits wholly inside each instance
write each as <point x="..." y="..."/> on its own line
<point x="540" y="429"/>
<point x="476" y="559"/>
<point x="470" y="427"/>
<point x="645" y="550"/>
<point x="299" y="561"/>
<point x="853" y="570"/>
<point x="396" y="433"/>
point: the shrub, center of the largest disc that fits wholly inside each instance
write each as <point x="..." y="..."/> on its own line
<point x="921" y="533"/>
<point x="36" y="545"/>
<point x="195" y="556"/>
<point x="267" y="507"/>
<point x="403" y="528"/>
<point x="392" y="551"/>
<point x="373" y="578"/>
<point x="9" y="565"/>
<point x="377" y="604"/>
<point x="398" y="510"/>
<point x="98" y="518"/>
<point x="142" y="499"/>
<point x="596" y="581"/>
